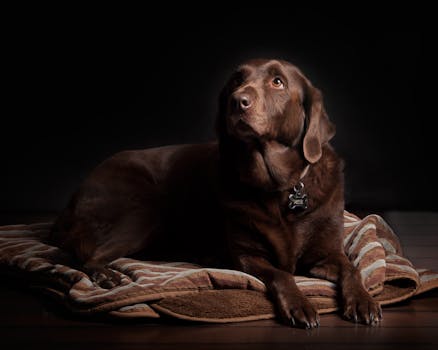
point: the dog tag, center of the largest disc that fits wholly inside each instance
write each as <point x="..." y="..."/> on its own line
<point x="298" y="199"/>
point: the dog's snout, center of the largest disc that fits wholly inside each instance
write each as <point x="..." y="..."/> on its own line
<point x="243" y="101"/>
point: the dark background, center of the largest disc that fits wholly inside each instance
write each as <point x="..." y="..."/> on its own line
<point x="78" y="92"/>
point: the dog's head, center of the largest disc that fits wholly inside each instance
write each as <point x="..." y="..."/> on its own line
<point x="273" y="100"/>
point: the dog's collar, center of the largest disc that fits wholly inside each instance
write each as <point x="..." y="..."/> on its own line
<point x="298" y="200"/>
<point x="304" y="172"/>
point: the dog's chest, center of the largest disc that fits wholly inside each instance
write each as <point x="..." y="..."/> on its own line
<point x="288" y="238"/>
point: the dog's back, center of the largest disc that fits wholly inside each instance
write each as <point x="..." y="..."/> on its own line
<point x="161" y="203"/>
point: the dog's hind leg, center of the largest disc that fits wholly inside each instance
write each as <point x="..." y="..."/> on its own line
<point x="127" y="236"/>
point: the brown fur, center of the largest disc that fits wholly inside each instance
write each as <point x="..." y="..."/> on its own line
<point x="225" y="204"/>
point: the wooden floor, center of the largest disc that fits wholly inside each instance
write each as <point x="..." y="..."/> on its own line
<point x="32" y="322"/>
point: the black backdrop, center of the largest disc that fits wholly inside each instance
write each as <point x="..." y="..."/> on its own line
<point x="77" y="94"/>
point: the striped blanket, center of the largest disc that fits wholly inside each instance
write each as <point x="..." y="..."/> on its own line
<point x="152" y="289"/>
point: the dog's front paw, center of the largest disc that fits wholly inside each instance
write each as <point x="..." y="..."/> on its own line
<point x="297" y="311"/>
<point x="361" y="307"/>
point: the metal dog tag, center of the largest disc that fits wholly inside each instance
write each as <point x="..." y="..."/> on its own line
<point x="298" y="199"/>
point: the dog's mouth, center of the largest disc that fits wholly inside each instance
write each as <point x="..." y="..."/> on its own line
<point x="241" y="129"/>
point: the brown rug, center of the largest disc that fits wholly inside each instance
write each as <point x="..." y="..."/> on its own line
<point x="181" y="290"/>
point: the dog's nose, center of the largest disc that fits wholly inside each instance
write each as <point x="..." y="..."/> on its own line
<point x="243" y="101"/>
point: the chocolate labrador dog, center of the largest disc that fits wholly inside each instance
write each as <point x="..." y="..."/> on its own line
<point x="266" y="198"/>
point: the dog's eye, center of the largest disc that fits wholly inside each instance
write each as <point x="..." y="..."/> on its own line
<point x="277" y="83"/>
<point x="237" y="79"/>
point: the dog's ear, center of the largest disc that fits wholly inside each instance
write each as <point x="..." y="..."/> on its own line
<point x="221" y="123"/>
<point x="222" y="133"/>
<point x="319" y="128"/>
